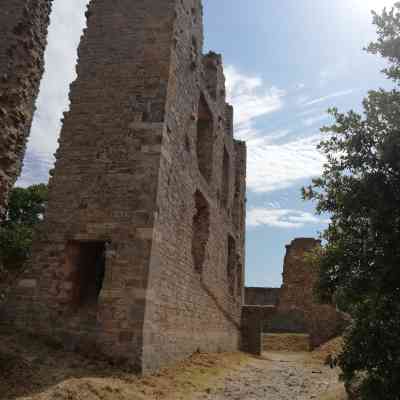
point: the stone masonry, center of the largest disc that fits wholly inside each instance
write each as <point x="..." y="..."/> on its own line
<point x="295" y="309"/>
<point x="322" y="321"/>
<point x="141" y="254"/>
<point x="23" y="33"/>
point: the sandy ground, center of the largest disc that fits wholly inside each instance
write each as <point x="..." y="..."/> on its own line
<point x="32" y="370"/>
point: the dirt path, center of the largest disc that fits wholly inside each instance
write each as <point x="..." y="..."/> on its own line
<point x="278" y="376"/>
<point x="33" y="370"/>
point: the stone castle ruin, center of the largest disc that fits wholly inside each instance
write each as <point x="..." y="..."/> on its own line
<point x="292" y="308"/>
<point x="23" y="32"/>
<point x="141" y="254"/>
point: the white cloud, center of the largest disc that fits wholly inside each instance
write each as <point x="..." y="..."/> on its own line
<point x="250" y="97"/>
<point x="277" y="166"/>
<point x="328" y="97"/>
<point x="67" y="22"/>
<point x="309" y="111"/>
<point x="302" y="99"/>
<point x="281" y="218"/>
<point x="274" y="161"/>
<point x="312" y="120"/>
<point x="332" y="72"/>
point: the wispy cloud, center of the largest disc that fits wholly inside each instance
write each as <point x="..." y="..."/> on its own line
<point x="276" y="159"/>
<point x="310" y="111"/>
<point x="281" y="218"/>
<point x="312" y="120"/>
<point x="328" y="97"/>
<point x="251" y="97"/>
<point x="332" y="72"/>
<point x="277" y="166"/>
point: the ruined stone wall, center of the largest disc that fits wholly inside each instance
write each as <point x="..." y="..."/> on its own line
<point x="297" y="299"/>
<point x="253" y="319"/>
<point x="148" y="168"/>
<point x="105" y="183"/>
<point x="196" y="277"/>
<point x="292" y="308"/>
<point x="299" y="277"/>
<point x="23" y="34"/>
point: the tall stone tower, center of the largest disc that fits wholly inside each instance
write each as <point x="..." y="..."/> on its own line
<point x="23" y="34"/>
<point x="141" y="254"/>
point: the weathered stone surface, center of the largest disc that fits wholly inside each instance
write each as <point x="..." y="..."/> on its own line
<point x="23" y="34"/>
<point x="253" y="318"/>
<point x="149" y="173"/>
<point x="322" y="321"/>
<point x="261" y="296"/>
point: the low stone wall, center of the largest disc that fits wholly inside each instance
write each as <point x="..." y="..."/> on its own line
<point x="261" y="296"/>
<point x="253" y="319"/>
<point x="286" y="322"/>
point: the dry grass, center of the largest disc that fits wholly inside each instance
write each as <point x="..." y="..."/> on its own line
<point x="339" y="394"/>
<point x="332" y="348"/>
<point x="30" y="370"/>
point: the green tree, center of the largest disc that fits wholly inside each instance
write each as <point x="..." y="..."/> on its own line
<point x="360" y="189"/>
<point x="25" y="210"/>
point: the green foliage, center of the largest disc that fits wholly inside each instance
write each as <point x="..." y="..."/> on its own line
<point x="360" y="189"/>
<point x="26" y="208"/>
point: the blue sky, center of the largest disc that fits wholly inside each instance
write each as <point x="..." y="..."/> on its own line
<point x="286" y="63"/>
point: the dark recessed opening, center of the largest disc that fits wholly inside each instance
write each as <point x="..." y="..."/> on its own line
<point x="205" y="139"/>
<point x="201" y="231"/>
<point x="231" y="264"/>
<point x="88" y="262"/>
<point x="225" y="179"/>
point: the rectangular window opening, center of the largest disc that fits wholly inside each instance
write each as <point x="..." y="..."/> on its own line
<point x="231" y="264"/>
<point x="87" y="262"/>
<point x="205" y="139"/>
<point x="201" y="231"/>
<point x="225" y="179"/>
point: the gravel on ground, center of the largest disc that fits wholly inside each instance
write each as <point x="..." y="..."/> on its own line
<point x="279" y="376"/>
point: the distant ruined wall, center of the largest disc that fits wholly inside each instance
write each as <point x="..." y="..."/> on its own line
<point x="297" y="301"/>
<point x="261" y="296"/>
<point x="293" y="307"/>
<point x="299" y="278"/>
<point x="23" y="34"/>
